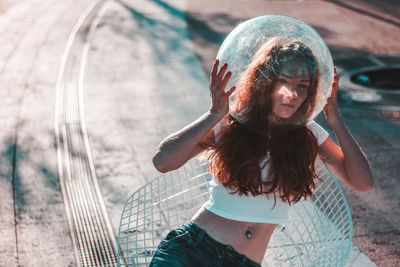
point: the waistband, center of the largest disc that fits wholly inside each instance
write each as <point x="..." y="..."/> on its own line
<point x="198" y="234"/>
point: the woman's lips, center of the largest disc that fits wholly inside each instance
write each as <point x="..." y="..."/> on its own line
<point x="287" y="105"/>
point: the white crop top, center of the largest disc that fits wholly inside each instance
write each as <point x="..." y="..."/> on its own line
<point x="249" y="208"/>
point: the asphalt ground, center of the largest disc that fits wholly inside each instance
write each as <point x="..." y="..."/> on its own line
<point x="146" y="77"/>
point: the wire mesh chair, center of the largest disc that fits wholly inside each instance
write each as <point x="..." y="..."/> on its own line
<point x="318" y="233"/>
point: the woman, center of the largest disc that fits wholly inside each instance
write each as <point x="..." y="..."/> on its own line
<point x="261" y="154"/>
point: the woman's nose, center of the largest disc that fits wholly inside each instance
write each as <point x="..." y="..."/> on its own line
<point x="290" y="93"/>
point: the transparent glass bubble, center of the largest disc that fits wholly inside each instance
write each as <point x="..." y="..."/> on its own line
<point x="244" y="41"/>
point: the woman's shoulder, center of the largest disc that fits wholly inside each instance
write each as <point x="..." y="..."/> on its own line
<point x="320" y="133"/>
<point x="312" y="124"/>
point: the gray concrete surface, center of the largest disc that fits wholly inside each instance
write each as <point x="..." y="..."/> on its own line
<point x="34" y="230"/>
<point x="146" y="77"/>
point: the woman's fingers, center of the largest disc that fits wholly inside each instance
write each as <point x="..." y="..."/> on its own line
<point x="225" y="80"/>
<point x="228" y="94"/>
<point x="334" y="89"/>
<point x="221" y="73"/>
<point x="335" y="77"/>
<point x="218" y="79"/>
<point x="331" y="107"/>
<point x="218" y="82"/>
<point x="335" y="84"/>
<point x="213" y="74"/>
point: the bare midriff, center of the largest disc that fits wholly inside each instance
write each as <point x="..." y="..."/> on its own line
<point x="236" y="233"/>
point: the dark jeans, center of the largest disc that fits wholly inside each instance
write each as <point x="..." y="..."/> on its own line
<point x="191" y="246"/>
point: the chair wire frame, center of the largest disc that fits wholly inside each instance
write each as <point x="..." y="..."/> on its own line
<point x="318" y="232"/>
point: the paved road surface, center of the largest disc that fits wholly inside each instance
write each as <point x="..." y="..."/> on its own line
<point x="146" y="77"/>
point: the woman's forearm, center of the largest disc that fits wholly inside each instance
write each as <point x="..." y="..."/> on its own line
<point x="174" y="150"/>
<point x="355" y="162"/>
<point x="177" y="148"/>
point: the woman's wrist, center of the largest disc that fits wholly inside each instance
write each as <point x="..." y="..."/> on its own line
<point x="337" y="125"/>
<point x="334" y="119"/>
<point x="216" y="114"/>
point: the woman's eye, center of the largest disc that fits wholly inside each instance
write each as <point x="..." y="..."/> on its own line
<point x="282" y="80"/>
<point x="302" y="89"/>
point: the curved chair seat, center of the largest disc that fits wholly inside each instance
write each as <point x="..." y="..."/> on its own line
<point x="318" y="233"/>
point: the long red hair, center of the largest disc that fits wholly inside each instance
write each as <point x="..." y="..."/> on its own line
<point x="239" y="156"/>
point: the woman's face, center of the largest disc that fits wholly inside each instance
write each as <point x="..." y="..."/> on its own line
<point x="291" y="88"/>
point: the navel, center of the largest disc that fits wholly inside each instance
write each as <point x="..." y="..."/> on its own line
<point x="248" y="233"/>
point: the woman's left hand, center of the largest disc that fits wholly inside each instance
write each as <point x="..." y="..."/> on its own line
<point x="331" y="110"/>
<point x="346" y="161"/>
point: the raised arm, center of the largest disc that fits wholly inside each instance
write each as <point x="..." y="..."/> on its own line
<point x="347" y="162"/>
<point x="179" y="147"/>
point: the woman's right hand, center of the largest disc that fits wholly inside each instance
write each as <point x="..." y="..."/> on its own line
<point x="218" y="82"/>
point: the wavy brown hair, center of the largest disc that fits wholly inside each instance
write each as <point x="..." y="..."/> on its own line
<point x="239" y="156"/>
